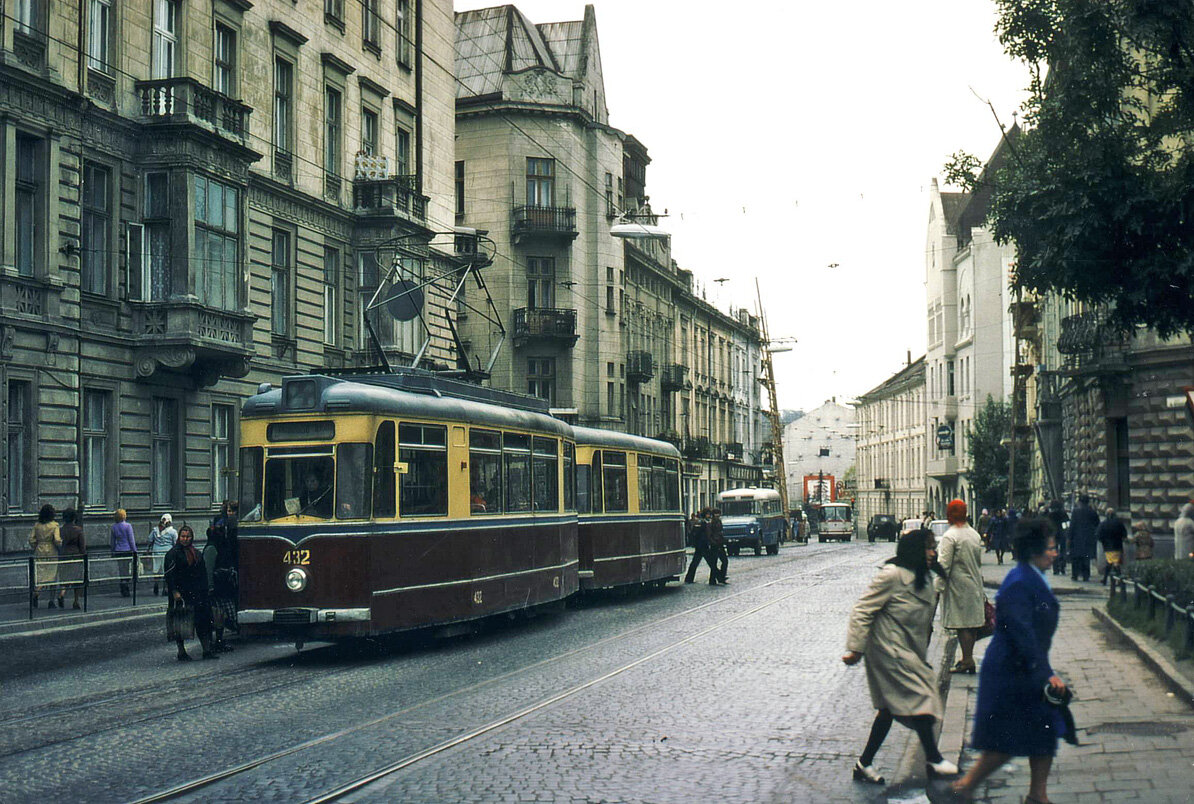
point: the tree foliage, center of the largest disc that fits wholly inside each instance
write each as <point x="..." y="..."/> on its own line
<point x="990" y="456"/>
<point x="1097" y="193"/>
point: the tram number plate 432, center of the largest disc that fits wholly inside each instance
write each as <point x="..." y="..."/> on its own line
<point x="302" y="557"/>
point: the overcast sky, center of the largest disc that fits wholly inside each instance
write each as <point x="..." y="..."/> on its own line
<point x="794" y="142"/>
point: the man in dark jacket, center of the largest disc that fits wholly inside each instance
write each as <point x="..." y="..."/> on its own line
<point x="1084" y="524"/>
<point x="186" y="584"/>
<point x="700" y="546"/>
<point x="1058" y="517"/>
<point x="1111" y="534"/>
<point x="717" y="548"/>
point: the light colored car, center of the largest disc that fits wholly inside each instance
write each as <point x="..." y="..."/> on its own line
<point x="938" y="526"/>
<point x="909" y="524"/>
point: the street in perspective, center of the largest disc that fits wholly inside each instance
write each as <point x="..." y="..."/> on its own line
<point x="556" y="401"/>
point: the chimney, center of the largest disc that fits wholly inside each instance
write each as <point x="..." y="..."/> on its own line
<point x="908" y="359"/>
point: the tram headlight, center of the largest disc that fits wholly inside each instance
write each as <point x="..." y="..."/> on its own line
<point x="296" y="579"/>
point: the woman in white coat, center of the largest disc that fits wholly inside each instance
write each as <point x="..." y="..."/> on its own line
<point x="960" y="554"/>
<point x="890" y="625"/>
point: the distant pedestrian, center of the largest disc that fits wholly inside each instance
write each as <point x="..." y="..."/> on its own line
<point x="999" y="538"/>
<point x="186" y="584"/>
<point x="1183" y="533"/>
<point x="1143" y="540"/>
<point x="890" y="625"/>
<point x="45" y="540"/>
<point x="960" y="554"/>
<point x="74" y="548"/>
<point x="161" y="539"/>
<point x="1012" y="717"/>
<point x="1111" y="533"/>
<point x="1057" y="515"/>
<point x="1084" y="524"/>
<point x="222" y="535"/>
<point x="700" y="547"/>
<point x="124" y="548"/>
<point x="984" y="521"/>
<point x="717" y="547"/>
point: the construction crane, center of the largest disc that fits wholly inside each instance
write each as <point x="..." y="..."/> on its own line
<point x="768" y="381"/>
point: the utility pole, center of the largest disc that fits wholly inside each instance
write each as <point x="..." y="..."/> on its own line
<point x="777" y="433"/>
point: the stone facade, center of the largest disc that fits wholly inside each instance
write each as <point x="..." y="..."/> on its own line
<point x="186" y="214"/>
<point x="891" y="447"/>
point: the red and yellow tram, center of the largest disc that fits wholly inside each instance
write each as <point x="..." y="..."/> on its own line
<point x="379" y="503"/>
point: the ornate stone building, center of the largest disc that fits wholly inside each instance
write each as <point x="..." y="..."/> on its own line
<point x="891" y="447"/>
<point x="193" y="199"/>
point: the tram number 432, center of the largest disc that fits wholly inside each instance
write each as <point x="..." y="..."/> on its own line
<point x="302" y="557"/>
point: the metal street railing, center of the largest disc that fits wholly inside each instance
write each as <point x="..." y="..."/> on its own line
<point x="1149" y="596"/>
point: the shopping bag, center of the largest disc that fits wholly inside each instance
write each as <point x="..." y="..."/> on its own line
<point x="180" y="621"/>
<point x="988" y="626"/>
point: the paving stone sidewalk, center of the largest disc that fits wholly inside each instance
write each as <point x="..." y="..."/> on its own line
<point x="1138" y="737"/>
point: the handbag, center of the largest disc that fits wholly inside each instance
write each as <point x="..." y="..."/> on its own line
<point x="180" y="621"/>
<point x="988" y="626"/>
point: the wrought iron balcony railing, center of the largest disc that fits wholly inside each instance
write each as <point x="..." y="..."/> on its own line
<point x="640" y="366"/>
<point x="555" y="222"/>
<point x="185" y="100"/>
<point x="396" y="195"/>
<point x="544" y="323"/>
<point x="674" y="377"/>
<point x="1089" y="341"/>
<point x="695" y="448"/>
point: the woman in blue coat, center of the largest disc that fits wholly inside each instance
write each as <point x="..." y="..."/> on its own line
<point x="1012" y="717"/>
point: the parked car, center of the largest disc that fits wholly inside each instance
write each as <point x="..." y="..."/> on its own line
<point x="939" y="527"/>
<point x="882" y="526"/>
<point x="910" y="524"/>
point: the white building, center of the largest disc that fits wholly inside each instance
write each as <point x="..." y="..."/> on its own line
<point x="891" y="446"/>
<point x="821" y="444"/>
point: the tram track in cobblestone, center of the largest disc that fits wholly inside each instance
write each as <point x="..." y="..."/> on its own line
<point x="345" y="790"/>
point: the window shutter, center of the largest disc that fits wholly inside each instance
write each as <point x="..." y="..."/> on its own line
<point x="136" y="275"/>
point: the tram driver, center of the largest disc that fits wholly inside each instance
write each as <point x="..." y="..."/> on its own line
<point x="316" y="496"/>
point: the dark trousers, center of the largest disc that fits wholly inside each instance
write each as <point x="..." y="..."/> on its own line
<point x="723" y="563"/>
<point x="1080" y="567"/>
<point x="700" y="552"/>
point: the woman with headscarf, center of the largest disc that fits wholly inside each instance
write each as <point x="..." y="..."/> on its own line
<point x="960" y="554"/>
<point x="186" y="585"/>
<point x="1012" y="716"/>
<point x="161" y="539"/>
<point x="890" y="625"/>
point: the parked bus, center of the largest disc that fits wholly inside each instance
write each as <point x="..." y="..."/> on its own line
<point x="751" y="518"/>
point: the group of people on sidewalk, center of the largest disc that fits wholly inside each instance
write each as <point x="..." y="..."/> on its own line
<point x="1021" y="700"/>
<point x="58" y="556"/>
<point x="709" y="545"/>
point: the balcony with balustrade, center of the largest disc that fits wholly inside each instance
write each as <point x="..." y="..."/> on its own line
<point x="188" y="337"/>
<point x="1091" y="344"/>
<point x="640" y="367"/>
<point x="393" y="196"/>
<point x="185" y="101"/>
<point x="544" y="324"/>
<point x="674" y="377"/>
<point x="543" y="224"/>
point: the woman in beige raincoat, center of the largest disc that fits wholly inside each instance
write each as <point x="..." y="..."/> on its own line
<point x="890" y="625"/>
<point x="960" y="554"/>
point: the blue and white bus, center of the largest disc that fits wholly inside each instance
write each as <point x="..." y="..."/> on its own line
<point x="751" y="517"/>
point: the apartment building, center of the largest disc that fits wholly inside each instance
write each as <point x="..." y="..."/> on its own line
<point x="198" y="198"/>
<point x="891" y="446"/>
<point x="820" y="444"/>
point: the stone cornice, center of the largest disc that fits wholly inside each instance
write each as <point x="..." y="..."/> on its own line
<point x="374" y="87"/>
<point x="336" y="63"/>
<point x="279" y="28"/>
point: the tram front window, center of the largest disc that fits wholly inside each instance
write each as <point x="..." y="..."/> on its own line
<point x="298" y="487"/>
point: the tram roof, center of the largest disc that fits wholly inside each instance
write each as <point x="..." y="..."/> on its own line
<point x="593" y="437"/>
<point x="415" y="396"/>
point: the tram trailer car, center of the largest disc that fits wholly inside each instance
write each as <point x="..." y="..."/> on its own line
<point x="751" y="518"/>
<point x="631" y="526"/>
<point x="380" y="503"/>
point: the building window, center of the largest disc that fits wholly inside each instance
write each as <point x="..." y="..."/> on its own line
<point x="28" y="19"/>
<point x="93" y="483"/>
<point x="283" y="104"/>
<point x="95" y="226"/>
<point x="280" y="323"/>
<point x="402" y="22"/>
<point x="99" y="35"/>
<point x="610" y="209"/>
<point x="331" y="294"/>
<point x="460" y="188"/>
<point x="331" y="131"/>
<point x="225" y="60"/>
<point x="541" y="282"/>
<point x="164" y="452"/>
<point x="19" y="442"/>
<point x="165" y="38"/>
<point x="541" y="378"/>
<point x="30" y="200"/>
<point x="221" y="453"/>
<point x="540" y="182"/>
<point x="156" y="283"/>
<point x="369" y="131"/>
<point x="333" y="11"/>
<point x="370" y="24"/>
<point x="402" y="152"/>
<point x="217" y="243"/>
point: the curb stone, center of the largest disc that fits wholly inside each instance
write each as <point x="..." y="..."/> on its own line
<point x="13" y="630"/>
<point x="1156" y="662"/>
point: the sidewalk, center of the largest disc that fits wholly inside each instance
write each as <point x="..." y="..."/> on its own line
<point x="104" y="603"/>
<point x="1138" y="737"/>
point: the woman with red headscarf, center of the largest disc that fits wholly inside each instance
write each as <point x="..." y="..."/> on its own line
<point x="960" y="554"/>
